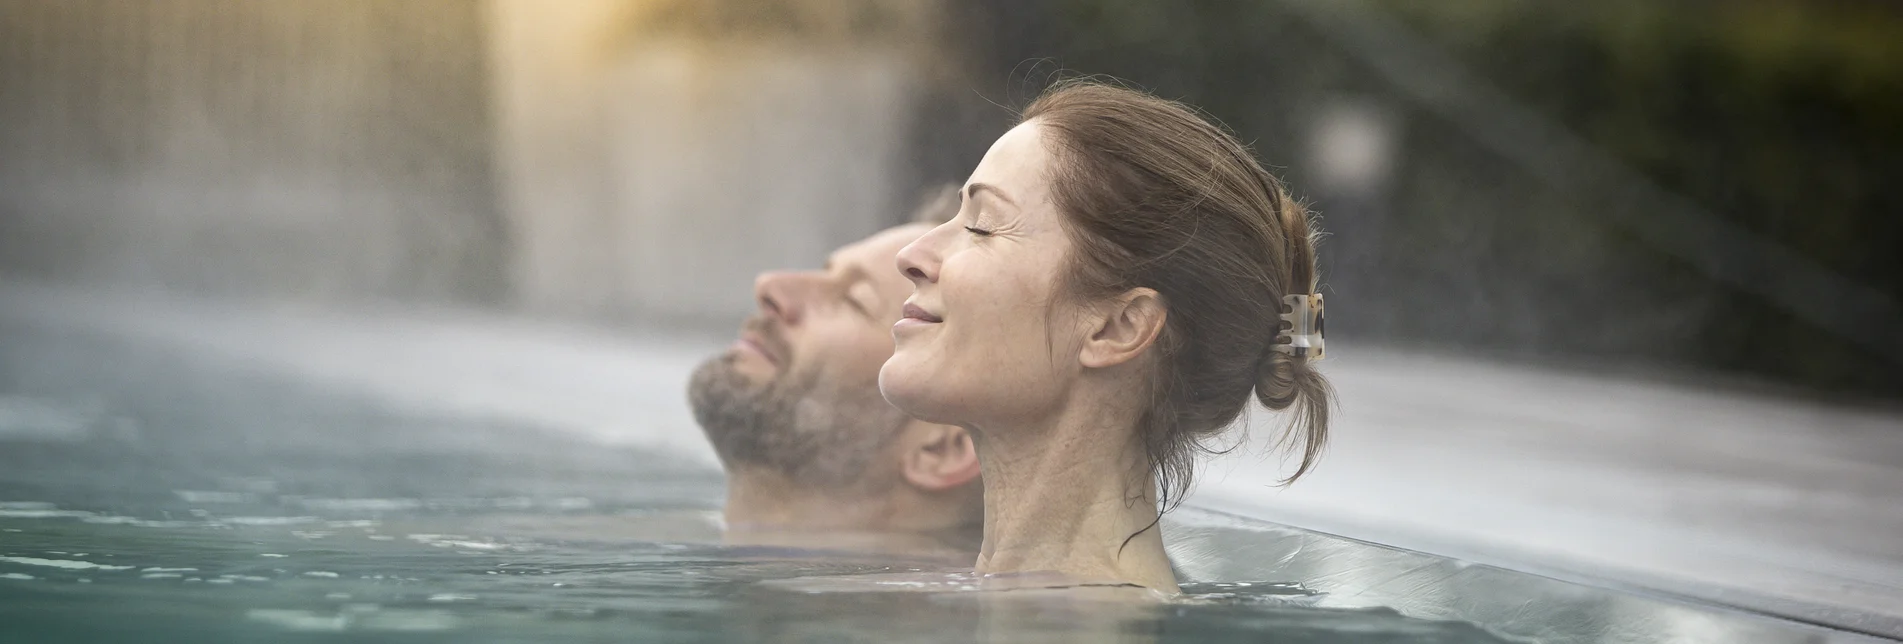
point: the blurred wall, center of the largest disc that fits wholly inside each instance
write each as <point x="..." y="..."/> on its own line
<point x="655" y="156"/>
<point x="297" y="149"/>
<point x="592" y="158"/>
<point x="548" y="60"/>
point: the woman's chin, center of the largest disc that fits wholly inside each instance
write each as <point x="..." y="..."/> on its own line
<point x="906" y="389"/>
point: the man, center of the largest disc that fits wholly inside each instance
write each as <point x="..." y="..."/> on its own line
<point x="813" y="454"/>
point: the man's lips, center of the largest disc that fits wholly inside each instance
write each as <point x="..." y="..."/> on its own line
<point x="751" y="343"/>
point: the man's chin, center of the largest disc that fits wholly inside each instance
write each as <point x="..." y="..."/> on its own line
<point x="729" y="375"/>
<point x="752" y="368"/>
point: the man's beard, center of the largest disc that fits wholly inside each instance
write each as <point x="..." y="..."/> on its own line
<point x="811" y="432"/>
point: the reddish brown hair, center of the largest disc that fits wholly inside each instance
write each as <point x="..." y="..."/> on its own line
<point x="1155" y="195"/>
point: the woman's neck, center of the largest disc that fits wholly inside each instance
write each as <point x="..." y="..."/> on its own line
<point x="1066" y="495"/>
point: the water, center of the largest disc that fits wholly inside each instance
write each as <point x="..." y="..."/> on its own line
<point x="145" y="496"/>
<point x="149" y="495"/>
<point x="512" y="575"/>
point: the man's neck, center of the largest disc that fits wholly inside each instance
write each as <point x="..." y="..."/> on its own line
<point x="767" y="508"/>
<point x="766" y="500"/>
<point x="1072" y="494"/>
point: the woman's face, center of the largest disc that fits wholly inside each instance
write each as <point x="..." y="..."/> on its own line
<point x="985" y="339"/>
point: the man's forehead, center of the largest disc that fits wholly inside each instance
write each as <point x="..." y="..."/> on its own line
<point x="881" y="250"/>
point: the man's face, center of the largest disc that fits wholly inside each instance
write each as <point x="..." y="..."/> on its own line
<point x="798" y="392"/>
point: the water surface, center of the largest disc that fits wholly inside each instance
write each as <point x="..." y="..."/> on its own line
<point x="148" y="496"/>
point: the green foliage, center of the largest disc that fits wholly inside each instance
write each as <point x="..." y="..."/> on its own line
<point x="1783" y="117"/>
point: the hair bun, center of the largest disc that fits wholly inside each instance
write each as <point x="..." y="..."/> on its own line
<point x="1286" y="382"/>
<point x="1276" y="376"/>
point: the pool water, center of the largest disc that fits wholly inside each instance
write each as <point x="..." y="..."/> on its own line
<point x="252" y="576"/>
<point x="145" y="496"/>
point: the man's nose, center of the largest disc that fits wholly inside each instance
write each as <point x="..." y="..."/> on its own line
<point x="782" y="294"/>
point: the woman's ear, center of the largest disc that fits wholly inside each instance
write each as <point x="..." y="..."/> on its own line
<point x="938" y="457"/>
<point x="1126" y="326"/>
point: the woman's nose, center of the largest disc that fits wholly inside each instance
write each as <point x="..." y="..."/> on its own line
<point x="780" y="296"/>
<point x="918" y="261"/>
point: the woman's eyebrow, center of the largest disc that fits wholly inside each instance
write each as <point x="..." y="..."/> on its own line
<point x="971" y="192"/>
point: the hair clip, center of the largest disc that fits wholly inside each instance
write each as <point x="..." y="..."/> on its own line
<point x="1302" y="337"/>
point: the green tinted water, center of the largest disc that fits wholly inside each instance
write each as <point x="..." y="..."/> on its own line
<point x="147" y="497"/>
<point x="508" y="574"/>
<point x="156" y="496"/>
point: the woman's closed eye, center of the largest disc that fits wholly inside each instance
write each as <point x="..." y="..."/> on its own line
<point x="978" y="231"/>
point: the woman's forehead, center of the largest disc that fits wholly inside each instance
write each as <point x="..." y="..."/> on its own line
<point x="1015" y="164"/>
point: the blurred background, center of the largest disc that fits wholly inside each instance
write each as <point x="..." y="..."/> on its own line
<point x="1692" y="186"/>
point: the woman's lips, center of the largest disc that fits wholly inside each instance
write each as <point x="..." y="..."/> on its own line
<point x="916" y="312"/>
<point x="916" y="315"/>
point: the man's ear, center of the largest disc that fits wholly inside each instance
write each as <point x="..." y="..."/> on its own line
<point x="938" y="457"/>
<point x="1125" y="326"/>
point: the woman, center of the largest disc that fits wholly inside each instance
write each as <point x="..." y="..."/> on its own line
<point x="1119" y="278"/>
